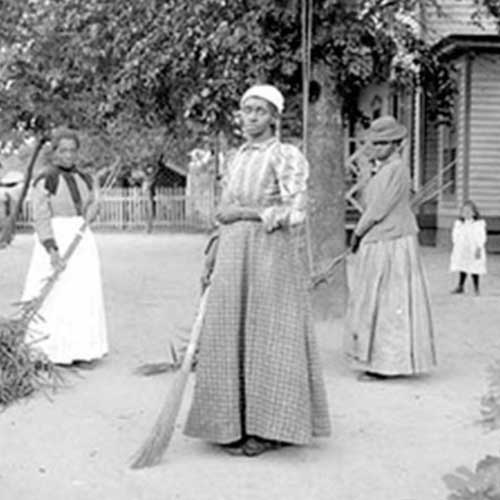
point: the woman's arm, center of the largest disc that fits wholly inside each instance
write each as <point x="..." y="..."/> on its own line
<point x="392" y="182"/>
<point x="292" y="171"/>
<point x="228" y="214"/>
<point x="42" y="218"/>
<point x="42" y="214"/>
<point x="229" y="209"/>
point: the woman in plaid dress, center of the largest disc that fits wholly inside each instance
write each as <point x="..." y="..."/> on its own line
<point x="258" y="377"/>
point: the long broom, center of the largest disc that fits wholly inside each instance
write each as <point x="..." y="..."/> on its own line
<point x="155" y="445"/>
<point x="325" y="275"/>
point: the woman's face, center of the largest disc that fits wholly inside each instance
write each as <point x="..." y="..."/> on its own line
<point x="65" y="153"/>
<point x="383" y="149"/>
<point x="467" y="212"/>
<point x="257" y="117"/>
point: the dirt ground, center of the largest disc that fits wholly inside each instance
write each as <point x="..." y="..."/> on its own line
<point x="392" y="440"/>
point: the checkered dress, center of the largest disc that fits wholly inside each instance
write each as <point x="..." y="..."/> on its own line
<point x="258" y="371"/>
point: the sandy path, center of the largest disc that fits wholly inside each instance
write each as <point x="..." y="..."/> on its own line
<point x="392" y="441"/>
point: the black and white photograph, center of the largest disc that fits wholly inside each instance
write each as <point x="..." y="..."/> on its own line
<point x="250" y="250"/>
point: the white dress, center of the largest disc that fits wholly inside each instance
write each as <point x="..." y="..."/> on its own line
<point x="71" y="324"/>
<point x="467" y="237"/>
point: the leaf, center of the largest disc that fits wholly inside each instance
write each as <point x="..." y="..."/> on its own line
<point x="456" y="483"/>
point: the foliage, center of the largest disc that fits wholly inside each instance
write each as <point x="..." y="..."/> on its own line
<point x="481" y="484"/>
<point x="177" y="68"/>
<point x="490" y="403"/>
<point x="484" y="482"/>
<point x="23" y="369"/>
<point x="491" y="7"/>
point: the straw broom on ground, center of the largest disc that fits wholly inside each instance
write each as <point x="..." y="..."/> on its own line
<point x="153" y="448"/>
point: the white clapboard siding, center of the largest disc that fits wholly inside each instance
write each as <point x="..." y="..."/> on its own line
<point x="454" y="17"/>
<point x="484" y="170"/>
<point x="449" y="205"/>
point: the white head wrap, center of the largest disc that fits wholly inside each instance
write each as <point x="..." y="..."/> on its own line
<point x="267" y="92"/>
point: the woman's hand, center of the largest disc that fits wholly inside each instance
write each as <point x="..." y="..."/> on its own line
<point x="205" y="277"/>
<point x="271" y="225"/>
<point x="229" y="214"/>
<point x="56" y="260"/>
<point x="234" y="213"/>
<point x="477" y="254"/>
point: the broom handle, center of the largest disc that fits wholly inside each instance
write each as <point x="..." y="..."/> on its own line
<point x="51" y="281"/>
<point x="195" y="333"/>
<point x="318" y="278"/>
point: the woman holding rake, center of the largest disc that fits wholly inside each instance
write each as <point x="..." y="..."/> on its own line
<point x="71" y="324"/>
<point x="258" y="378"/>
<point x="388" y="323"/>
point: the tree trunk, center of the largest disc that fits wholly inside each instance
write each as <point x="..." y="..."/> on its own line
<point x="327" y="206"/>
<point x="10" y="226"/>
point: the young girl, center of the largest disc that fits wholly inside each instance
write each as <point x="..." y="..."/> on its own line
<point x="468" y="255"/>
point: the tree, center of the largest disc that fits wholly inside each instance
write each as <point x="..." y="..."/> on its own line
<point x="177" y="68"/>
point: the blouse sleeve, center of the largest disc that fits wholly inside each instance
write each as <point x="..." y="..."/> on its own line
<point x="391" y="185"/>
<point x="42" y="215"/>
<point x="292" y="172"/>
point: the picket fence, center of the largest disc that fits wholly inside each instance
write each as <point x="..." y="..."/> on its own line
<point x="132" y="209"/>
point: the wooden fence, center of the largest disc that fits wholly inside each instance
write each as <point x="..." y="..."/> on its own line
<point x="134" y="209"/>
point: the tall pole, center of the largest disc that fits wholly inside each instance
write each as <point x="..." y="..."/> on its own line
<point x="306" y="15"/>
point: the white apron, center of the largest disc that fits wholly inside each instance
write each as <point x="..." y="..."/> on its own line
<point x="72" y="323"/>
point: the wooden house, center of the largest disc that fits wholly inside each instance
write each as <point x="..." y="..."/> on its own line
<point x="464" y="155"/>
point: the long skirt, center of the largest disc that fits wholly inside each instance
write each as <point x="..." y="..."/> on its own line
<point x="71" y="324"/>
<point x="258" y="371"/>
<point x="388" y="323"/>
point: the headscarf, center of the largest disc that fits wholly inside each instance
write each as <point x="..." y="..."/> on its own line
<point x="267" y="92"/>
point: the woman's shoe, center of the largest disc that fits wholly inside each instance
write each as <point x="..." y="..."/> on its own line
<point x="256" y="446"/>
<point x="458" y="290"/>
<point x="371" y="376"/>
<point x="235" y="448"/>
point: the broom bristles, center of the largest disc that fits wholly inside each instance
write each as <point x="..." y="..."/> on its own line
<point x="153" y="448"/>
<point x="155" y="445"/>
